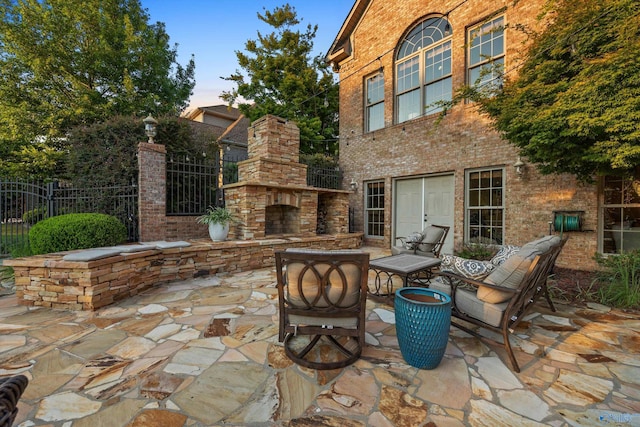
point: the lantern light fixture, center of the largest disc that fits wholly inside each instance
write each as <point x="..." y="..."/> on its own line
<point x="150" y="128"/>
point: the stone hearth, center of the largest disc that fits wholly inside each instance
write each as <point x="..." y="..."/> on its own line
<point x="272" y="198"/>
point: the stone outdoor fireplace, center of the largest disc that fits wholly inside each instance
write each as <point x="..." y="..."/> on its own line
<point x="271" y="198"/>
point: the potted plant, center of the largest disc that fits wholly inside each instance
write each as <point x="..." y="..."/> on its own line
<point x="218" y="219"/>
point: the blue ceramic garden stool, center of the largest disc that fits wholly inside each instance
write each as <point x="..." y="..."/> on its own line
<point x="423" y="318"/>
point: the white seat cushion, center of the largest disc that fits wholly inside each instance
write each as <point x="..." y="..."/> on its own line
<point x="468" y="303"/>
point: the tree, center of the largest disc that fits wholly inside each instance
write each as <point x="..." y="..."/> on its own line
<point x="575" y="105"/>
<point x="282" y="79"/>
<point x="104" y="153"/>
<point x="69" y="62"/>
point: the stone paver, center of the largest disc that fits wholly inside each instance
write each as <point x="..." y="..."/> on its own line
<point x="205" y="351"/>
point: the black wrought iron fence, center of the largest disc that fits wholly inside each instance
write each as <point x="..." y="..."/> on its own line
<point x="119" y="201"/>
<point x="24" y="203"/>
<point x="324" y="177"/>
<point x="193" y="183"/>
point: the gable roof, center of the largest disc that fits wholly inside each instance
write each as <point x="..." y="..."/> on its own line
<point x="214" y="132"/>
<point x="341" y="48"/>
<point x="237" y="133"/>
<point x="223" y="111"/>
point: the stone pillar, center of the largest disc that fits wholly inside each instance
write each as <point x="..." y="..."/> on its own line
<point x="152" y="191"/>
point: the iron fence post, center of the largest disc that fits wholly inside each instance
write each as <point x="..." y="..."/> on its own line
<point x="52" y="209"/>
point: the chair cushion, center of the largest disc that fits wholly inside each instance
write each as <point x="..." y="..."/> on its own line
<point x="398" y="250"/>
<point x="467" y="302"/>
<point x="347" y="283"/>
<point x="544" y="243"/>
<point x="508" y="275"/>
<point x="432" y="236"/>
<point x="504" y="254"/>
<point x="412" y="240"/>
<point x="336" y="322"/>
<point x="471" y="268"/>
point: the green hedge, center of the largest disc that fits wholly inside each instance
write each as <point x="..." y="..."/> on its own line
<point x="76" y="231"/>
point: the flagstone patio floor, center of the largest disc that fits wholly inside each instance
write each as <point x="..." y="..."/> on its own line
<point x="204" y="352"/>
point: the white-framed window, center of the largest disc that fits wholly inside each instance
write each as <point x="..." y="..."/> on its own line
<point x="374" y="209"/>
<point x="423" y="69"/>
<point x="486" y="49"/>
<point x="374" y="96"/>
<point x="620" y="212"/>
<point x="484" y="206"/>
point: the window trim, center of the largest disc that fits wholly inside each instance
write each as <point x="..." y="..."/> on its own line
<point x="369" y="105"/>
<point x="367" y="209"/>
<point x="422" y="85"/>
<point x="483" y="62"/>
<point x="468" y="208"/>
<point x="602" y="216"/>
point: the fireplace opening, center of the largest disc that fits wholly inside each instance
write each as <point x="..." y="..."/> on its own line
<point x="282" y="219"/>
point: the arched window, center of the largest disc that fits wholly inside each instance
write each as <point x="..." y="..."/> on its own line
<point x="423" y="69"/>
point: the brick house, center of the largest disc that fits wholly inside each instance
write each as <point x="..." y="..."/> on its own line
<point x="411" y="166"/>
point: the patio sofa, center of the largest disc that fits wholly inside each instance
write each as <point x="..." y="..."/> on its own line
<point x="497" y="294"/>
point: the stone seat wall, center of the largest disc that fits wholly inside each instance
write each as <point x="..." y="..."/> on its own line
<point x="49" y="281"/>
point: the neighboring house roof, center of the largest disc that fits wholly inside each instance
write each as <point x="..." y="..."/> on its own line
<point x="341" y="47"/>
<point x="214" y="132"/>
<point x="237" y="133"/>
<point x="222" y="111"/>
<point x="225" y="124"/>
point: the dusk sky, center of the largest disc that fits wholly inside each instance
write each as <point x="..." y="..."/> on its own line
<point x="213" y="30"/>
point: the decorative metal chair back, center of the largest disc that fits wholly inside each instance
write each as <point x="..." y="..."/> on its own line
<point x="322" y="301"/>
<point x="11" y="388"/>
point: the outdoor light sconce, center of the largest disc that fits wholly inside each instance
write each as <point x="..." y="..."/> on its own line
<point x="353" y="185"/>
<point x="150" y="128"/>
<point x="519" y="165"/>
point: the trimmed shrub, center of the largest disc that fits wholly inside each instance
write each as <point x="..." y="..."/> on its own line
<point x="76" y="231"/>
<point x="477" y="251"/>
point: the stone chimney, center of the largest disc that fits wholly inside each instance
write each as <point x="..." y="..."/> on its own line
<point x="272" y="198"/>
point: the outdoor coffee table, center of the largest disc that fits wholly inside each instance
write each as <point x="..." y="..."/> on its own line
<point x="411" y="268"/>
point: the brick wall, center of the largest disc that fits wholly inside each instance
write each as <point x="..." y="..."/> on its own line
<point x="460" y="141"/>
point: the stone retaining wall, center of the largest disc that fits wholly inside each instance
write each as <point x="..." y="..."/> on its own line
<point x="50" y="281"/>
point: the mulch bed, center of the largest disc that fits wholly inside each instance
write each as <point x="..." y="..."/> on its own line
<point x="573" y="287"/>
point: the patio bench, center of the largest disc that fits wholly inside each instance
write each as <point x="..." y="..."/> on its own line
<point x="499" y="300"/>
